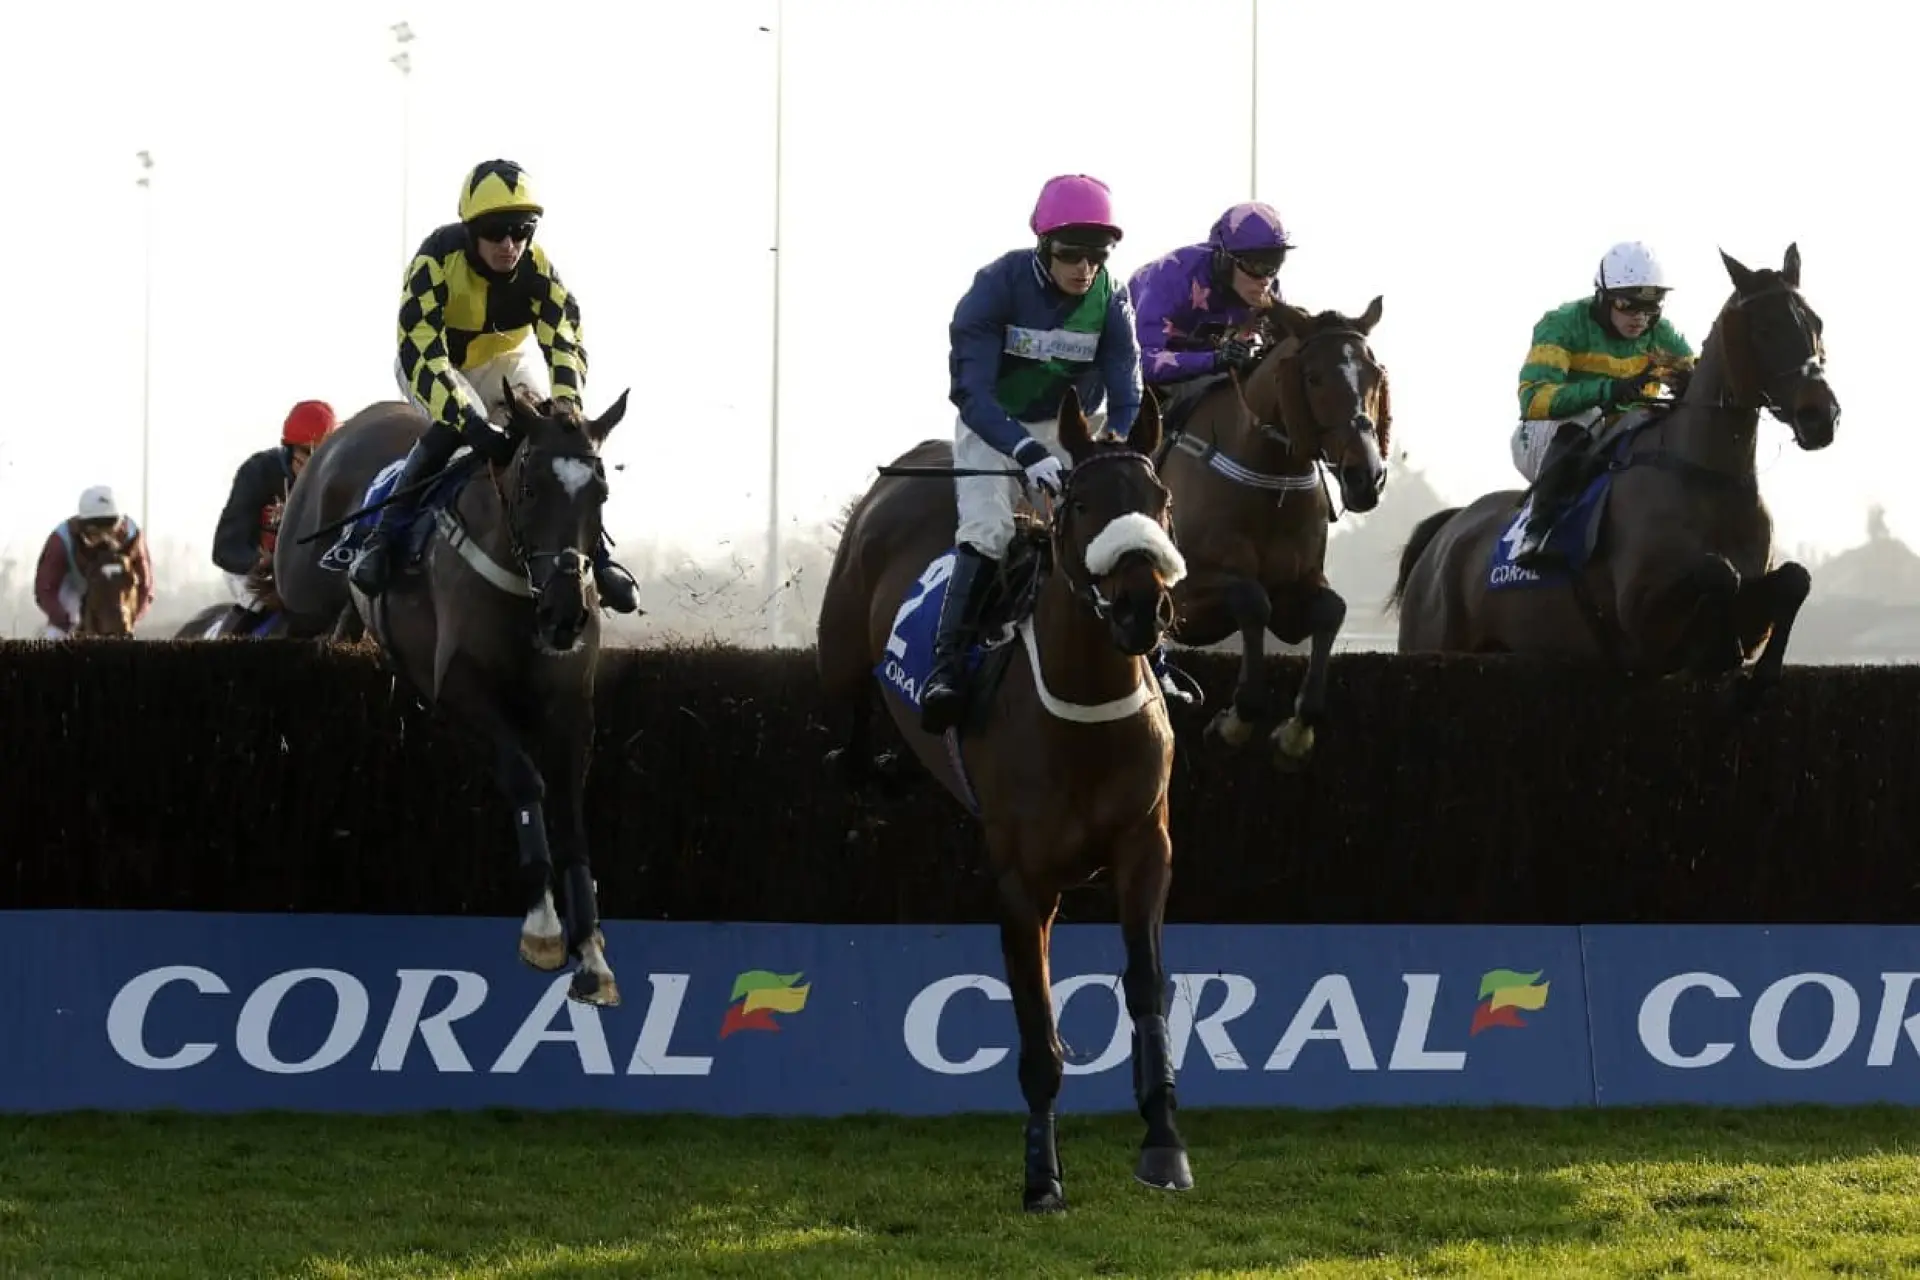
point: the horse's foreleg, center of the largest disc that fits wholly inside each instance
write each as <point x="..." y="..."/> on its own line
<point x="1025" y="930"/>
<point x="1325" y="613"/>
<point x="1145" y="870"/>
<point x="565" y="751"/>
<point x="542" y="943"/>
<point x="1764" y="613"/>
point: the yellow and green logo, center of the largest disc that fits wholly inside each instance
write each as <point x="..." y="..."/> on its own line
<point x="1503" y="994"/>
<point x="758" y="994"/>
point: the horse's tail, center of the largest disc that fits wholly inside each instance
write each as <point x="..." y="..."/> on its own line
<point x="1423" y="533"/>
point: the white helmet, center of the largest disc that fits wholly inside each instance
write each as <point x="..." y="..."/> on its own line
<point x="1630" y="267"/>
<point x="97" y="504"/>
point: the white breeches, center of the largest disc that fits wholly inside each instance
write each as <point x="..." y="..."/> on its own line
<point x="486" y="385"/>
<point x="987" y="502"/>
<point x="237" y="585"/>
<point x="1533" y="436"/>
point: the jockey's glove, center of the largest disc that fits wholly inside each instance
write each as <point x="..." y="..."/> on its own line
<point x="490" y="443"/>
<point x="1233" y="353"/>
<point x="1625" y="391"/>
<point x="1042" y="468"/>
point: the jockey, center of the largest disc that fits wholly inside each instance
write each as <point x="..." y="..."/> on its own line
<point x="476" y="291"/>
<point x="1591" y="359"/>
<point x="250" y="522"/>
<point x="1034" y="321"/>
<point x="1193" y="303"/>
<point x="58" y="587"/>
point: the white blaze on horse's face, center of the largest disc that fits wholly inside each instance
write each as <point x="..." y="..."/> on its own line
<point x="573" y="474"/>
<point x="1135" y="532"/>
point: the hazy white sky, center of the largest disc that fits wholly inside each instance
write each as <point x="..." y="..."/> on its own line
<point x="1468" y="161"/>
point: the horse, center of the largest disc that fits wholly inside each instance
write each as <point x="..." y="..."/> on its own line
<point x="1243" y="464"/>
<point x="499" y="626"/>
<point x="111" y="595"/>
<point x="1064" y="757"/>
<point x="1671" y="545"/>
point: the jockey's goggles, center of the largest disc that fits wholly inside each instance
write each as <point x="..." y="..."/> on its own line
<point x="1073" y="253"/>
<point x="505" y="226"/>
<point x="1638" y="303"/>
<point x="1261" y="264"/>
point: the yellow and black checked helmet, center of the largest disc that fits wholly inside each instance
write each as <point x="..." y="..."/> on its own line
<point x="497" y="186"/>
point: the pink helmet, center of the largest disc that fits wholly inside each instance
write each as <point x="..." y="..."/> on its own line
<point x="1073" y="199"/>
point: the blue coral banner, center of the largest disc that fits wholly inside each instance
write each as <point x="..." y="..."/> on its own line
<point x="213" y="1013"/>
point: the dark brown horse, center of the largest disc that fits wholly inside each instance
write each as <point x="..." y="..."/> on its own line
<point x="500" y="627"/>
<point x="1679" y="578"/>
<point x="1065" y="757"/>
<point x="111" y="595"/>
<point x="1252" y="505"/>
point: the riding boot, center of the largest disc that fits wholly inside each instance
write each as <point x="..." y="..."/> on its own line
<point x="618" y="591"/>
<point x="1559" y="485"/>
<point x="945" y="694"/>
<point x="1174" y="682"/>
<point x="374" y="565"/>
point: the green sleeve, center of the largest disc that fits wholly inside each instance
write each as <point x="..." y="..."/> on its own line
<point x="1548" y="387"/>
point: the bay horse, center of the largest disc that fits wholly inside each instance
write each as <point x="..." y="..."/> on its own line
<point x="111" y="595"/>
<point x="1064" y="754"/>
<point x="499" y="626"/>
<point x="1244" y="467"/>
<point x="1672" y="570"/>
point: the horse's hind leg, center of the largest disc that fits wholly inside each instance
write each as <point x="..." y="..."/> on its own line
<point x="1144" y="871"/>
<point x="566" y="747"/>
<point x="1026" y="928"/>
<point x="1325" y="613"/>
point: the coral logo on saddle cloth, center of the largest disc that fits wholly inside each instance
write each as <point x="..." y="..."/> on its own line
<point x="758" y="994"/>
<point x="1503" y="994"/>
<point x="1572" y="540"/>
<point x="910" y="643"/>
<point x="341" y="553"/>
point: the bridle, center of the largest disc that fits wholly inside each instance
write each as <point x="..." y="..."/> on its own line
<point x="566" y="567"/>
<point x="1081" y="584"/>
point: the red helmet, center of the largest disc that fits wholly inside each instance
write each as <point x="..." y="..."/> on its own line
<point x="308" y="423"/>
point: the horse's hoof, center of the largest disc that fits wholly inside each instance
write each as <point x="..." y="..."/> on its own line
<point x="1051" y="1198"/>
<point x="1229" y="728"/>
<point x="546" y="953"/>
<point x="1164" y="1169"/>
<point x="1293" y="744"/>
<point x="593" y="988"/>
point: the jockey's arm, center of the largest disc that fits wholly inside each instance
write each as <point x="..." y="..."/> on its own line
<point x="1158" y="322"/>
<point x="975" y="336"/>
<point x="423" y="348"/>
<point x="557" y="328"/>
<point x="47" y="577"/>
<point x="1119" y="356"/>
<point x="236" y="538"/>
<point x="1548" y="387"/>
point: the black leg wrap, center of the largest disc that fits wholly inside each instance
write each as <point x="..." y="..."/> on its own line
<point x="1152" y="1064"/>
<point x="1044" y="1192"/>
<point x="583" y="910"/>
<point x="536" y="863"/>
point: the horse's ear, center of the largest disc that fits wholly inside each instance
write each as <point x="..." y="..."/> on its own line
<point x="1372" y="315"/>
<point x="1144" y="435"/>
<point x="602" y="427"/>
<point x="1075" y="436"/>
<point x="1790" y="266"/>
<point x="522" y="410"/>
<point x="1742" y="275"/>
